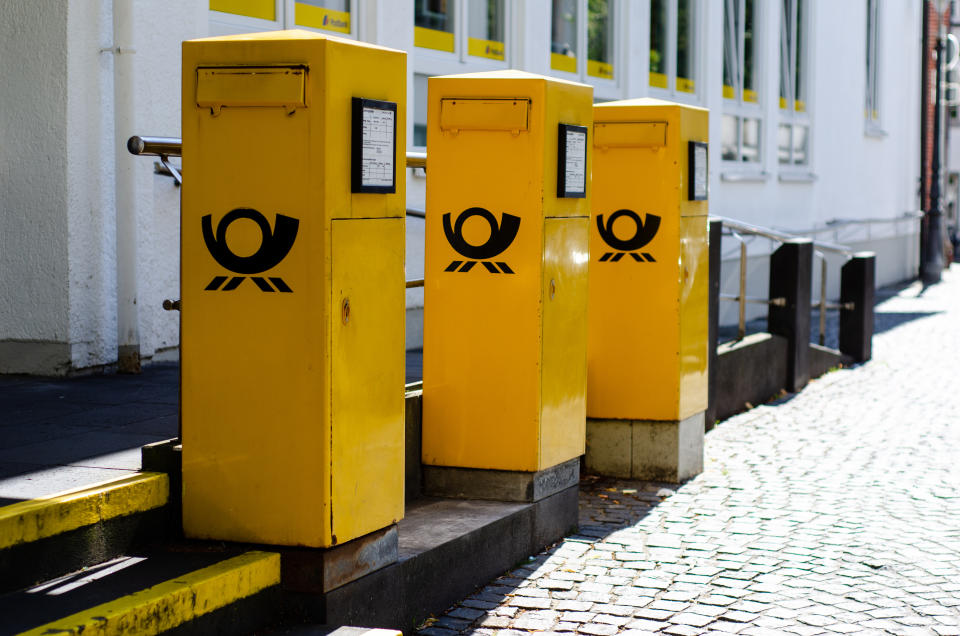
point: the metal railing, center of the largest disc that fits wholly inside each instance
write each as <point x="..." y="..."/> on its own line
<point x="166" y="147"/>
<point x="737" y="229"/>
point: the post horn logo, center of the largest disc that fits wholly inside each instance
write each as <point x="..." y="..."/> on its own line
<point x="275" y="244"/>
<point x="501" y="236"/>
<point x="645" y="232"/>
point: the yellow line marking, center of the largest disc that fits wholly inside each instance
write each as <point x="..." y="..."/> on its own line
<point x="172" y="603"/>
<point x="48" y="516"/>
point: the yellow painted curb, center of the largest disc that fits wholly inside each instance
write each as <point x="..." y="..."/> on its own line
<point x="172" y="603"/>
<point x="48" y="516"/>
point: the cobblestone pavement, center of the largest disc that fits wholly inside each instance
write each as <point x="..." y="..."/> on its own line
<point x="832" y="511"/>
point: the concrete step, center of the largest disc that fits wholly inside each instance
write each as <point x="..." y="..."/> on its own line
<point x="187" y="589"/>
<point x="46" y="537"/>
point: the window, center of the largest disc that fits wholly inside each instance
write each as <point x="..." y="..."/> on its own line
<point x="596" y="38"/>
<point x="599" y="39"/>
<point x="485" y="29"/>
<point x="872" y="107"/>
<point x="563" y="38"/>
<point x="741" y="123"/>
<point x="673" y="48"/>
<point x="237" y="16"/>
<point x="434" y="25"/>
<point x="793" y="132"/>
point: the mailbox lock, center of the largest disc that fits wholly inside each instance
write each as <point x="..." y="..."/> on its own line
<point x="345" y="310"/>
<point x="553" y="288"/>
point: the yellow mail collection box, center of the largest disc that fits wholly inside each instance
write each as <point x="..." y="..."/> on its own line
<point x="504" y="367"/>
<point x="292" y="285"/>
<point x="647" y="346"/>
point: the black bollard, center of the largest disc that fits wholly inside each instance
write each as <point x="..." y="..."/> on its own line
<point x="791" y="266"/>
<point x="857" y="286"/>
<point x="715" y="237"/>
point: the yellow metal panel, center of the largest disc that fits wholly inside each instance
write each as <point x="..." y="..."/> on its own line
<point x="256" y="365"/>
<point x="658" y="80"/>
<point x="630" y="134"/>
<point x="250" y="86"/>
<point x="164" y="606"/>
<point x="367" y="288"/>
<point x="694" y="297"/>
<point x="484" y="114"/>
<point x="483" y="366"/>
<point x="647" y="307"/>
<point x="309" y="15"/>
<point x="564" y="288"/>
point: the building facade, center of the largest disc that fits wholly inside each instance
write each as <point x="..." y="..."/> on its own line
<point x="815" y="123"/>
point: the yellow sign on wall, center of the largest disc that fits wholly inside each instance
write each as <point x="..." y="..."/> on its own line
<point x="486" y="48"/>
<point x="315" y="17"/>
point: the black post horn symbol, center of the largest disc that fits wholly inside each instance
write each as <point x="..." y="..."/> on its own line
<point x="274" y="246"/>
<point x="501" y="236"/>
<point x="645" y="232"/>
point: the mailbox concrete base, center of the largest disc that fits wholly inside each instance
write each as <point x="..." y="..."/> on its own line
<point x="646" y="449"/>
<point x="321" y="570"/>
<point x="500" y="485"/>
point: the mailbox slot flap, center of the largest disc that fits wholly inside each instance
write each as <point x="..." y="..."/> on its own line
<point x="251" y="86"/>
<point x="484" y="114"/>
<point x="630" y="134"/>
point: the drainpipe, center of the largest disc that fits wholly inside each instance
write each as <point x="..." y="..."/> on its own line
<point x="128" y="323"/>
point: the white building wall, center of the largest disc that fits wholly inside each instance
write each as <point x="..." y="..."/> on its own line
<point x="65" y="292"/>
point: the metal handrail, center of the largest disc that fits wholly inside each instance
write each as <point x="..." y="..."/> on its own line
<point x="737" y="229"/>
<point x="747" y="228"/>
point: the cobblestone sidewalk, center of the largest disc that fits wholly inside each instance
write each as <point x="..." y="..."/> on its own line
<point x="833" y="511"/>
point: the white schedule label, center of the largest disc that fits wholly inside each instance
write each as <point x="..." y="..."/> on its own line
<point x="700" y="172"/>
<point x="576" y="168"/>
<point x="379" y="129"/>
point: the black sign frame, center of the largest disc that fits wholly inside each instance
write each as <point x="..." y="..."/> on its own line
<point x="692" y="166"/>
<point x="356" y="146"/>
<point x="562" y="191"/>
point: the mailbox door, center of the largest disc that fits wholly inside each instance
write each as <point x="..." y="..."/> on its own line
<point x="564" y="384"/>
<point x="367" y="375"/>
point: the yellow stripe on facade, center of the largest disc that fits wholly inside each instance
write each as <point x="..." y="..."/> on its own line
<point x="319" y="18"/>
<point x="559" y="62"/>
<point x="175" y="602"/>
<point x="263" y="9"/>
<point x="599" y="69"/>
<point x="486" y="48"/>
<point x="685" y="85"/>
<point x="433" y="39"/>
<point x="48" y="516"/>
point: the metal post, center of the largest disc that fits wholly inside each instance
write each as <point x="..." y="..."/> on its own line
<point x="932" y="265"/>
<point x="823" y="297"/>
<point x="742" y="296"/>
<point x="791" y="268"/>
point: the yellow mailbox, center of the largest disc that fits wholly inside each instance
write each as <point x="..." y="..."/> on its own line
<point x="508" y="181"/>
<point x="292" y="287"/>
<point x="647" y="348"/>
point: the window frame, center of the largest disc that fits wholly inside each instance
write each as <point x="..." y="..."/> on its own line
<point x="872" y="108"/>
<point x="671" y="92"/>
<point x="428" y="61"/>
<point x="738" y="107"/>
<point x="222" y="23"/>
<point x="790" y="113"/>
<point x="604" y="89"/>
